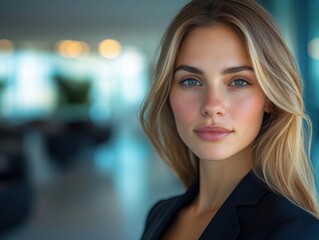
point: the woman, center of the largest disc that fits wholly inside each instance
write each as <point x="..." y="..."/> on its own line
<point x="225" y="111"/>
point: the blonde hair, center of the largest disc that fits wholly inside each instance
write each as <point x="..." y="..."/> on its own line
<point x="280" y="158"/>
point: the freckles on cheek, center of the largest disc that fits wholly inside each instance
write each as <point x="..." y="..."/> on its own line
<point x="179" y="108"/>
<point x="182" y="107"/>
<point x="250" y="110"/>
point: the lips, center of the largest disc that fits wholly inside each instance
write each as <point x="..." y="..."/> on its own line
<point x="212" y="132"/>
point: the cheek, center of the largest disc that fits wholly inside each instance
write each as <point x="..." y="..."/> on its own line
<point x="249" y="110"/>
<point x="183" y="108"/>
<point x="178" y="107"/>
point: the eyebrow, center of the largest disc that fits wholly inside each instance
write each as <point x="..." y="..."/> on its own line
<point x="225" y="71"/>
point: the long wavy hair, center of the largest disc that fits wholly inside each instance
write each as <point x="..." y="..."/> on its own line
<point x="281" y="149"/>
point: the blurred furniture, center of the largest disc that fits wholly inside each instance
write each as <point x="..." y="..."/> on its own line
<point x="15" y="190"/>
<point x="67" y="141"/>
<point x="72" y="91"/>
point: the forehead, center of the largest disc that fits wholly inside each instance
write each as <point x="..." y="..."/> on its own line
<point x="218" y="44"/>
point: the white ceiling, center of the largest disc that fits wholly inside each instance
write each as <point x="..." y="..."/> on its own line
<point x="138" y="23"/>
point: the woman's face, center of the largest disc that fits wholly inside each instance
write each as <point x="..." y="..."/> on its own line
<point x="217" y="102"/>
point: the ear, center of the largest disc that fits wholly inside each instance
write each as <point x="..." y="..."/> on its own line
<point x="267" y="106"/>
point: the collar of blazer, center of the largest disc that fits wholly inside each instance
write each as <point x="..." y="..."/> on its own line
<point x="225" y="224"/>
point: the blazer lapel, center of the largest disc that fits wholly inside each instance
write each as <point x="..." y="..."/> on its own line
<point x="225" y="224"/>
<point x="168" y="214"/>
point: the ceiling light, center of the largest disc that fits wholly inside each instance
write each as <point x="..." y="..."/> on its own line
<point x="72" y="49"/>
<point x="6" y="47"/>
<point x="110" y="48"/>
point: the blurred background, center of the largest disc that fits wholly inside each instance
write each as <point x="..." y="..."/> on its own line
<point x="74" y="162"/>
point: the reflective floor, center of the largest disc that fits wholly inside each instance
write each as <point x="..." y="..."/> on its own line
<point x="105" y="195"/>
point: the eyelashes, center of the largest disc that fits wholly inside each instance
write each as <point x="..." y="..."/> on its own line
<point x="239" y="83"/>
<point x="191" y="82"/>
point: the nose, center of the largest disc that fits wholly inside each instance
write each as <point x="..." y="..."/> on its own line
<point x="213" y="103"/>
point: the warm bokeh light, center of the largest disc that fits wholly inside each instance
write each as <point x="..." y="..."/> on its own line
<point x="6" y="47"/>
<point x="313" y="48"/>
<point x="110" y="48"/>
<point x="72" y="49"/>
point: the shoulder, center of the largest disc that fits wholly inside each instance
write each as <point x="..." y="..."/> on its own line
<point x="282" y="208"/>
<point x="303" y="226"/>
<point x="285" y="220"/>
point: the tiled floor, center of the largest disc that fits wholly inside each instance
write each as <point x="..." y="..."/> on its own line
<point x="105" y="196"/>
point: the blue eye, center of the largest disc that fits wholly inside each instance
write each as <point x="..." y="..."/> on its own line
<point x="239" y="83"/>
<point x="191" y="82"/>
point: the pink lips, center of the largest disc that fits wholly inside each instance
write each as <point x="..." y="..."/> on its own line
<point x="212" y="132"/>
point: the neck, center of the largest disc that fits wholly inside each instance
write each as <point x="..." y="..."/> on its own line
<point x="218" y="178"/>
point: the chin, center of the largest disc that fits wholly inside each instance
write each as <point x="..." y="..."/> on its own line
<point x="213" y="156"/>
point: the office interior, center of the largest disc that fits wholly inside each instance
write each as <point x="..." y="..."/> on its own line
<point x="74" y="161"/>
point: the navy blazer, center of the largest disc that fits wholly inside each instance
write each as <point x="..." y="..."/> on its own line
<point x="252" y="211"/>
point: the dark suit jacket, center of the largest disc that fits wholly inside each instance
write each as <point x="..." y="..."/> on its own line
<point x="252" y="211"/>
